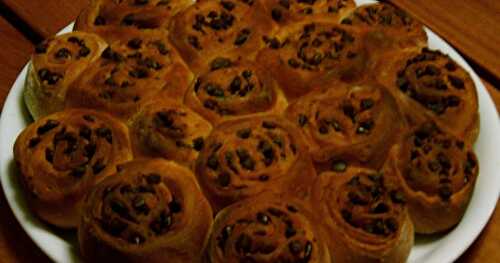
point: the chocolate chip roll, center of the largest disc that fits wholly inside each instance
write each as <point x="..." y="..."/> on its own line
<point x="55" y="65"/>
<point x="111" y="18"/>
<point x="429" y="84"/>
<point x="285" y="12"/>
<point x="306" y="54"/>
<point x="234" y="91"/>
<point x="365" y="214"/>
<point x="62" y="156"/>
<point x="357" y="122"/>
<point x="400" y="30"/>
<point x="152" y="210"/>
<point x="227" y="28"/>
<point x="247" y="157"/>
<point x="168" y="129"/>
<point x="438" y="172"/>
<point x="132" y="71"/>
<point x="266" y="229"/>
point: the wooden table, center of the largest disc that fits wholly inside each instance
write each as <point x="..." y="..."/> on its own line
<point x="471" y="26"/>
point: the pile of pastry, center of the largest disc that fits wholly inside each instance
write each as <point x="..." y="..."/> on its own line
<point x="247" y="131"/>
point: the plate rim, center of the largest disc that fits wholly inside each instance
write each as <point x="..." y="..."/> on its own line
<point x="36" y="228"/>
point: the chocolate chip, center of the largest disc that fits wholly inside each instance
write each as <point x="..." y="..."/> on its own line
<point x="79" y="171"/>
<point x="63" y="53"/>
<point x="445" y="192"/>
<point x="367" y="104"/>
<point x="212" y="162"/>
<point x="134" y="43"/>
<point x="105" y="133"/>
<point x="108" y="53"/>
<point x="295" y="247"/>
<point x="293" y="63"/>
<point x="275" y="212"/>
<point x="153" y="178"/>
<point x="456" y="82"/>
<point x="276" y="14"/>
<point x="243" y="244"/>
<point x="175" y="207"/>
<point x="397" y="197"/>
<point x="290" y="231"/>
<point x="380" y="208"/>
<point x="224" y="179"/>
<point x="235" y="85"/>
<point x="214" y="90"/>
<point x="98" y="167"/>
<point x="115" y="227"/>
<point x="292" y="208"/>
<point x="303" y="120"/>
<point x="264" y="178"/>
<point x="244" y="133"/>
<point x="247" y="74"/>
<point x="34" y="141"/>
<point x="83" y="52"/>
<point x="339" y="166"/>
<point x="451" y="66"/>
<point x="141" y="2"/>
<point x="269" y="125"/>
<point x="161" y="224"/>
<point x="89" y="150"/>
<point x="246" y="160"/>
<point x="242" y="37"/>
<point x="49" y="125"/>
<point x="198" y="143"/>
<point x="49" y="155"/>
<point x="227" y="5"/>
<point x="219" y="63"/>
<point x="308" y="251"/>
<point x="99" y="21"/>
<point x="453" y="101"/>
<point x="140" y="206"/>
<point x="85" y="132"/>
<point x="263" y="218"/>
<point x="89" y="118"/>
<point x="128" y="20"/>
<point x="139" y="73"/>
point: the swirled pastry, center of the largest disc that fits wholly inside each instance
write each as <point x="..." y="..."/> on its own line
<point x="141" y="66"/>
<point x="112" y="18"/>
<point x="266" y="229"/>
<point x="247" y="157"/>
<point x="308" y="53"/>
<point x="237" y="90"/>
<point x="429" y="84"/>
<point x="396" y="25"/>
<point x="438" y="172"/>
<point x="55" y="65"/>
<point x="289" y="11"/>
<point x="220" y="28"/>
<point x="358" y="122"/>
<point x="365" y="215"/>
<point x="62" y="156"/>
<point x="168" y="129"/>
<point x="151" y="211"/>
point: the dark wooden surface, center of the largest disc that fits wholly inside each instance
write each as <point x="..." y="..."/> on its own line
<point x="472" y="26"/>
<point x="15" y="245"/>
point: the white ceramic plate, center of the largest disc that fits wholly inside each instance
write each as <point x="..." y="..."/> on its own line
<point x="62" y="246"/>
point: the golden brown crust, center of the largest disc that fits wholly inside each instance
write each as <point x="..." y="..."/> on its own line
<point x="238" y="90"/>
<point x="211" y="29"/>
<point x="62" y="156"/>
<point x="396" y="26"/>
<point x="358" y="122"/>
<point x="151" y="211"/>
<point x="251" y="156"/>
<point x="306" y="54"/>
<point x="429" y="84"/>
<point x="438" y="172"/>
<point x="168" y="129"/>
<point x="266" y="229"/>
<point x="365" y="216"/>
<point x="117" y="17"/>
<point x="132" y="71"/>
<point x="55" y="65"/>
<point x="286" y="12"/>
